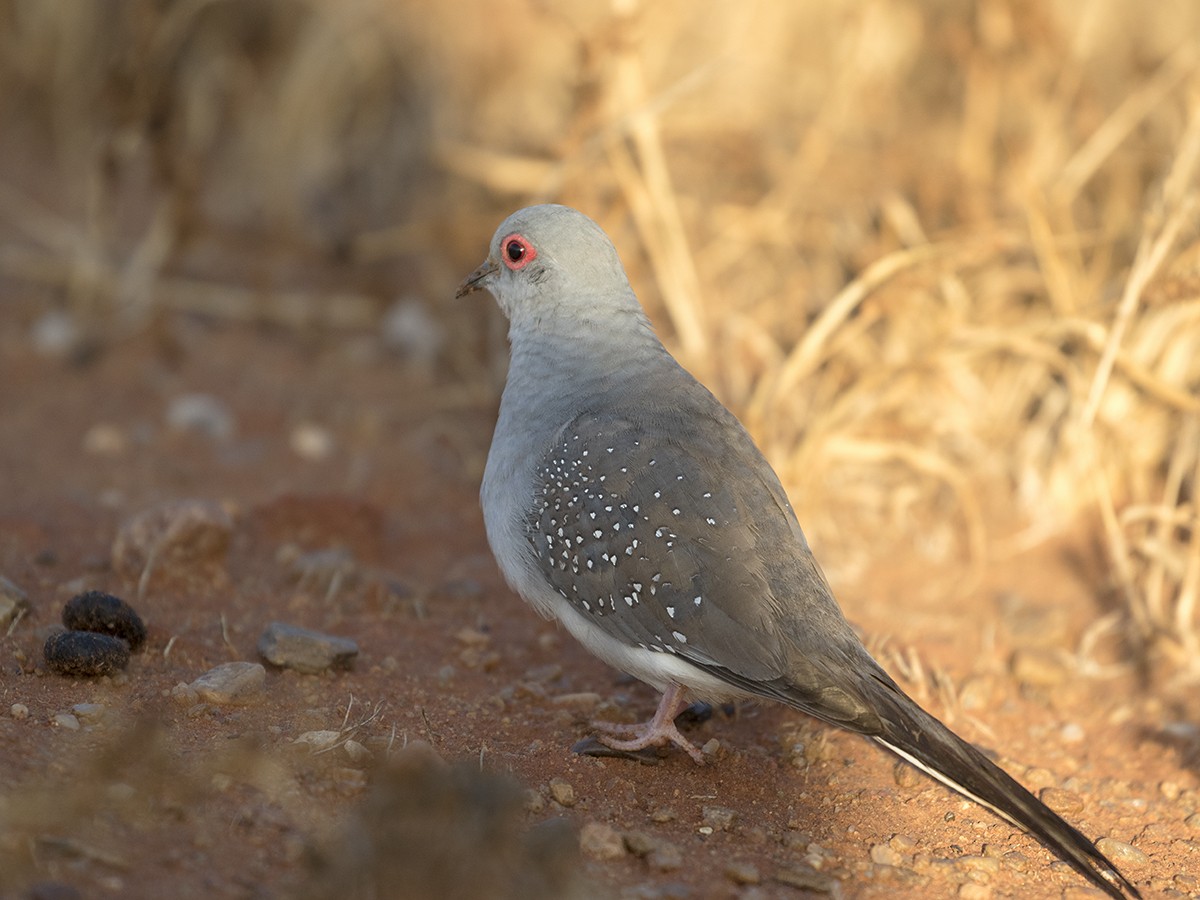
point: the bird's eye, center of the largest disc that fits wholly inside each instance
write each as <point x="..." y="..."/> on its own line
<point x="517" y="252"/>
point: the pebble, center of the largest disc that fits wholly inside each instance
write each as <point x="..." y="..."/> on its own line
<point x="973" y="863"/>
<point x="67" y="721"/>
<point x="1072" y="733"/>
<point x="85" y="653"/>
<point x="14" y="602"/>
<point x="104" y="439"/>
<point x="741" y="872"/>
<point x="600" y="841"/>
<point x="807" y="879"/>
<point x="665" y="857"/>
<point x="639" y="843"/>
<point x="1061" y="800"/>
<point x="56" y="333"/>
<point x="884" y="855"/>
<point x="318" y="741"/>
<point x="293" y="647"/>
<point x="52" y="890"/>
<point x="311" y="442"/>
<point x="718" y="818"/>
<point x="89" y="713"/>
<point x="201" y="413"/>
<point x="19" y="711"/>
<point x="231" y="683"/>
<point x="1039" y="668"/>
<point x="906" y="775"/>
<point x="534" y="802"/>
<point x="103" y="613"/>
<point x="562" y="792"/>
<point x="1121" y="852"/>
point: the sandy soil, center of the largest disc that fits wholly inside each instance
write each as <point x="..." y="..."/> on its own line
<point x="159" y="795"/>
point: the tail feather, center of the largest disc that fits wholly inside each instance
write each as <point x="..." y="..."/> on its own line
<point x="916" y="736"/>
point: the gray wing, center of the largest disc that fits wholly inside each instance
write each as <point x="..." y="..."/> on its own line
<point x="685" y="543"/>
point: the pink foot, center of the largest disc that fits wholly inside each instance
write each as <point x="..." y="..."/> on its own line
<point x="658" y="731"/>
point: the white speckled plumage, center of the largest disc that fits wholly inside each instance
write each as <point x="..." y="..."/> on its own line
<point x="621" y="498"/>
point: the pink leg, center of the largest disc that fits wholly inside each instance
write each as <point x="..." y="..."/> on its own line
<point x="656" y="732"/>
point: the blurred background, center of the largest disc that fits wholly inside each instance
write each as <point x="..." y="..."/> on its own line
<point x="941" y="257"/>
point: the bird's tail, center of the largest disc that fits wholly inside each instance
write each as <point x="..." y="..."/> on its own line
<point x="916" y="736"/>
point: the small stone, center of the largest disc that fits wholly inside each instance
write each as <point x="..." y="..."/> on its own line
<point x="976" y="692"/>
<point x="52" y="890"/>
<point x="741" y="872"/>
<point x="562" y="792"/>
<point x="85" y="654"/>
<point x="105" y="439"/>
<point x="884" y="855"/>
<point x="1061" y="800"/>
<point x="1037" y="777"/>
<point x="89" y="713"/>
<point x="201" y="413"/>
<point x="19" y="711"/>
<point x="1121" y="852"/>
<point x="665" y="857"/>
<point x="293" y="647"/>
<point x="184" y="694"/>
<point x="231" y="683"/>
<point x="318" y="741"/>
<point x="906" y="775"/>
<point x="14" y="603"/>
<point x="600" y="841"/>
<point x="104" y="614"/>
<point x="358" y="753"/>
<point x="57" y="334"/>
<point x="311" y="442"/>
<point x="806" y="879"/>
<point x="1170" y="790"/>
<point x="473" y="637"/>
<point x="583" y="700"/>
<point x="662" y="814"/>
<point x="534" y="801"/>
<point x="1072" y="733"/>
<point x="1039" y="668"/>
<point x="639" y="843"/>
<point x="718" y="818"/>
<point x="67" y="721"/>
<point x="988" y="865"/>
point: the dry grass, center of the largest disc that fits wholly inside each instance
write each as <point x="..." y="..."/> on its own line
<point x="941" y="257"/>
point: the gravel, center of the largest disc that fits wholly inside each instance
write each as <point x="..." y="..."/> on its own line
<point x="293" y="647"/>
<point x="600" y="841"/>
<point x="231" y="684"/>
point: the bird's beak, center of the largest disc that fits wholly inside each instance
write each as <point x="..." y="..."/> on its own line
<point x="473" y="281"/>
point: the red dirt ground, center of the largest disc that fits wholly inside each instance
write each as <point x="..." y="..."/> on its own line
<point x="167" y="798"/>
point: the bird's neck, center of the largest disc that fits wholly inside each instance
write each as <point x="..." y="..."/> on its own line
<point x="554" y="363"/>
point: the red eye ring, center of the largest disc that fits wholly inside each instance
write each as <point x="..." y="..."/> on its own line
<point x="517" y="252"/>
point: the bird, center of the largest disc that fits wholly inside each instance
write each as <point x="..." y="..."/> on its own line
<point x="621" y="498"/>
